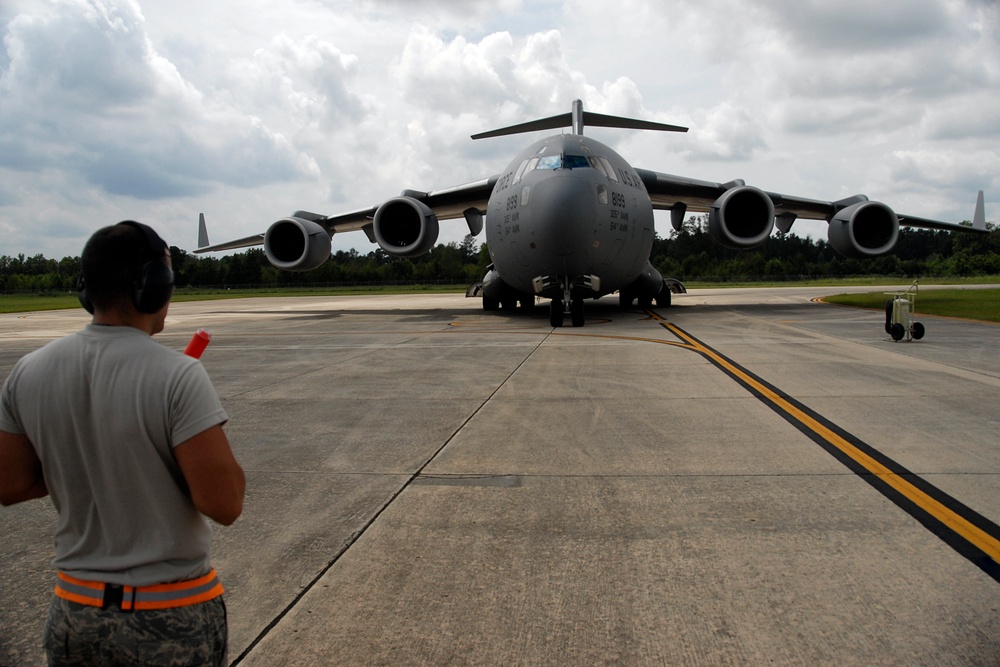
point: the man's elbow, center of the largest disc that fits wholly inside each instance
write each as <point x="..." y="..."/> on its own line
<point x="12" y="496"/>
<point x="227" y="514"/>
<point x="224" y="505"/>
<point x="21" y="476"/>
<point x="7" y="498"/>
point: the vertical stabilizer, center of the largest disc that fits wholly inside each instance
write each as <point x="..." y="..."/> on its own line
<point x="202" y="232"/>
<point x="577" y="116"/>
<point x="979" y="217"/>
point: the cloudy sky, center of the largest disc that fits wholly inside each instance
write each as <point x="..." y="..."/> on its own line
<point x="247" y="110"/>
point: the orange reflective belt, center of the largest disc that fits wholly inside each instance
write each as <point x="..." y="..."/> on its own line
<point x="157" y="596"/>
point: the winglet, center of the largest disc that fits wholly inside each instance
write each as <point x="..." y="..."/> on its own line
<point x="979" y="217"/>
<point x="202" y="232"/>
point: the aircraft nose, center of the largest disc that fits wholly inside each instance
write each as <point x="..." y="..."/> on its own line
<point x="563" y="210"/>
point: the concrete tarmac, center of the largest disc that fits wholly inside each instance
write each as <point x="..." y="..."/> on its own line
<point x="747" y="477"/>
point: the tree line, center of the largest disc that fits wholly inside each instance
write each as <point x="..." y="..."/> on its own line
<point x="688" y="254"/>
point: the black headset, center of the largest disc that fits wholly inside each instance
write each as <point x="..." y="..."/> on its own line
<point x="154" y="282"/>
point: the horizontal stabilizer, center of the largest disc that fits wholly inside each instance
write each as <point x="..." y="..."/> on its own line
<point x="552" y="123"/>
<point x="600" y="120"/>
<point x="577" y="119"/>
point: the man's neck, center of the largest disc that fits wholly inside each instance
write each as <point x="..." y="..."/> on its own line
<point x="136" y="320"/>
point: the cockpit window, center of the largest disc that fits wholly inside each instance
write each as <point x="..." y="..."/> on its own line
<point x="562" y="162"/>
<point x="520" y="171"/>
<point x="610" y="170"/>
<point x="603" y="165"/>
<point x="550" y="162"/>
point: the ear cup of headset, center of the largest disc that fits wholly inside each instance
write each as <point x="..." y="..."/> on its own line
<point x="81" y="294"/>
<point x="154" y="287"/>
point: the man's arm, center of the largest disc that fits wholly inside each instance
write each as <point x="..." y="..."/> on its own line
<point x="214" y="477"/>
<point x="20" y="470"/>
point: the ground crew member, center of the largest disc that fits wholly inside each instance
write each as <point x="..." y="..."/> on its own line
<point x="125" y="435"/>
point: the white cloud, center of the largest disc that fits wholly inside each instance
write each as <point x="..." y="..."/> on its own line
<point x="158" y="109"/>
<point x="87" y="93"/>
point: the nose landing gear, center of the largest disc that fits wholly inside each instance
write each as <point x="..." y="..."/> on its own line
<point x="571" y="288"/>
<point x="558" y="312"/>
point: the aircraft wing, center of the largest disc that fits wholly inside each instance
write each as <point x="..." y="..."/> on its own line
<point x="678" y="193"/>
<point x="449" y="203"/>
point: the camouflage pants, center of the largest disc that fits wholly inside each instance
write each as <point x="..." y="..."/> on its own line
<point x="77" y="635"/>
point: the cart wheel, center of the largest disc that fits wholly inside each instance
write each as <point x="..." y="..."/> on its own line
<point x="897" y="331"/>
<point x="917" y="331"/>
<point x="888" y="316"/>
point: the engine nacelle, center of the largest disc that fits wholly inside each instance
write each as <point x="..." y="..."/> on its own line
<point x="405" y="227"/>
<point x="294" y="244"/>
<point x="865" y="229"/>
<point x="742" y="217"/>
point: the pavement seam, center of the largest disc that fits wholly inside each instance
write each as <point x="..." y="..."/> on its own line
<point x="358" y="534"/>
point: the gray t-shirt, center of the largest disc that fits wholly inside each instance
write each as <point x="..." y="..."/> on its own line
<point x="103" y="409"/>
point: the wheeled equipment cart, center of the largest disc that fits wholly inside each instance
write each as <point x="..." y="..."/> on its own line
<point x="899" y="311"/>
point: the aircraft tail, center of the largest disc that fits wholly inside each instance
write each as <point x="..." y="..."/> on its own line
<point x="979" y="217"/>
<point x="576" y="119"/>
<point x="202" y="232"/>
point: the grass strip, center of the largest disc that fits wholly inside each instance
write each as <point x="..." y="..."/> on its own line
<point x="976" y="304"/>
<point x="971" y="304"/>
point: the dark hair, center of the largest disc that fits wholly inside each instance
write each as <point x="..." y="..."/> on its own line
<point x="111" y="263"/>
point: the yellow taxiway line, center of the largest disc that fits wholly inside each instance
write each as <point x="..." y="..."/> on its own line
<point x="983" y="540"/>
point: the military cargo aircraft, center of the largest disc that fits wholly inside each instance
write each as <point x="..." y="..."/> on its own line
<point x="570" y="219"/>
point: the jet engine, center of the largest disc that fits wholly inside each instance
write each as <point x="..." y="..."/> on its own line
<point x="864" y="229"/>
<point x="295" y="244"/>
<point x="742" y="217"/>
<point x="405" y="227"/>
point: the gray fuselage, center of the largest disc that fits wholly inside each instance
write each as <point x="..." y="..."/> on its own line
<point x="569" y="206"/>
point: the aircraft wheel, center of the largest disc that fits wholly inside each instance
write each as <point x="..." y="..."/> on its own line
<point x="576" y="312"/>
<point x="528" y="304"/>
<point x="897" y="331"/>
<point x="663" y="298"/>
<point x="645" y="302"/>
<point x="556" y="313"/>
<point x="508" y="304"/>
<point x="625" y="300"/>
<point x="490" y="304"/>
<point x="917" y="331"/>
